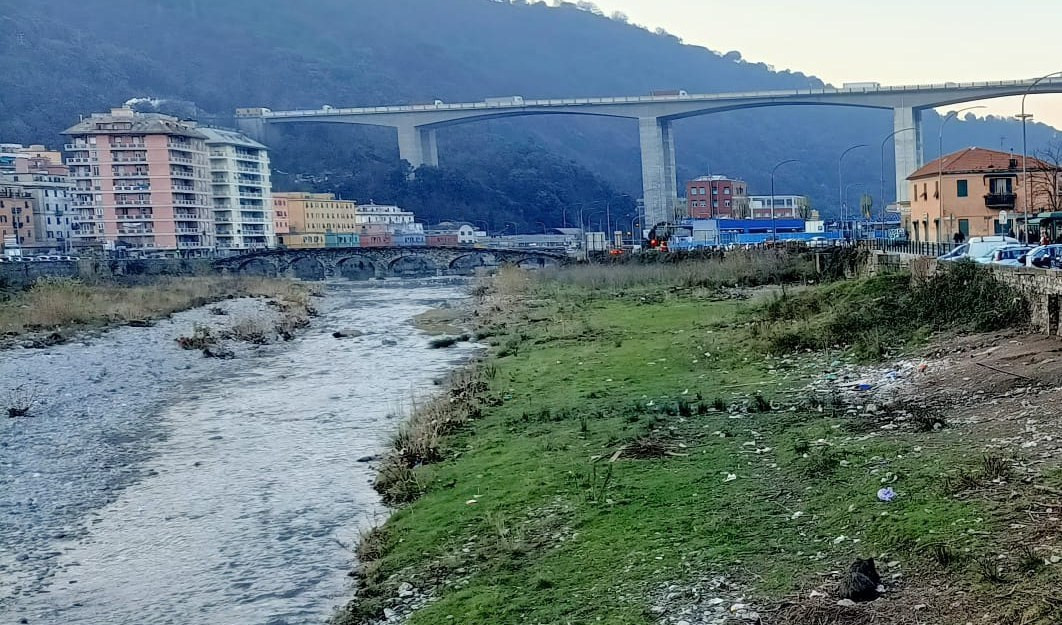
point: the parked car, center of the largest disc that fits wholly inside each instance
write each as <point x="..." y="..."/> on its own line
<point x="1011" y="255"/>
<point x="819" y="242"/>
<point x="979" y="249"/>
<point x="1045" y="257"/>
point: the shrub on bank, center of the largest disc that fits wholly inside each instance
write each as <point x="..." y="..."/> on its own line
<point x="738" y="268"/>
<point x="880" y="314"/>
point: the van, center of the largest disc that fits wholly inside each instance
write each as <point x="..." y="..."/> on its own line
<point x="979" y="248"/>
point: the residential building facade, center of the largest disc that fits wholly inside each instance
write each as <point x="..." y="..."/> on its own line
<point x="16" y="220"/>
<point x="10" y="153"/>
<point x="241" y="192"/>
<point x="308" y="217"/>
<point x="713" y="196"/>
<point x="785" y="206"/>
<point x="48" y="185"/>
<point x="141" y="184"/>
<point x="967" y="191"/>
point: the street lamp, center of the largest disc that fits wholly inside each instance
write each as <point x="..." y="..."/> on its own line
<point x="543" y="224"/>
<point x="883" y="142"/>
<point x="940" y="166"/>
<point x="840" y="182"/>
<point x="1025" y="148"/>
<point x="774" y="224"/>
<point x="513" y="224"/>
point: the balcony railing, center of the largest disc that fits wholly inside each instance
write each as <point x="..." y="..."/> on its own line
<point x="133" y="202"/>
<point x="131" y="159"/>
<point x="140" y="217"/>
<point x="136" y="233"/>
<point x="188" y="230"/>
<point x="125" y="188"/>
<point x="122" y="145"/>
<point x="76" y="161"/>
<point x="1001" y="200"/>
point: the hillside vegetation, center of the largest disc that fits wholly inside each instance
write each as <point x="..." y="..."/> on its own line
<point x="68" y="57"/>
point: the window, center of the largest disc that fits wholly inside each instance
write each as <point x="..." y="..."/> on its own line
<point x="715" y="190"/>
<point x="726" y="190"/>
<point x="963" y="189"/>
<point x="936" y="189"/>
<point x="964" y="224"/>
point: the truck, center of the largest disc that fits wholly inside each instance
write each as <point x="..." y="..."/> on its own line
<point x="674" y="93"/>
<point x="861" y="85"/>
<point x="509" y="99"/>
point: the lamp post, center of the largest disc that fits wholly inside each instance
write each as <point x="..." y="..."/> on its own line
<point x="774" y="224"/>
<point x="883" y="142"/>
<point x="1025" y="148"/>
<point x="543" y="224"/>
<point x="840" y="183"/>
<point x="634" y="229"/>
<point x="940" y="167"/>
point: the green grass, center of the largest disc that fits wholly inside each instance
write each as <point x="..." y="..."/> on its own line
<point x="558" y="534"/>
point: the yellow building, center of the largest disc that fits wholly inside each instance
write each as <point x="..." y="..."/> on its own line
<point x="969" y="190"/>
<point x="309" y="218"/>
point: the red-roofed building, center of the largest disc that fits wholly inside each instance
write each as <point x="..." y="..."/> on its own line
<point x="977" y="185"/>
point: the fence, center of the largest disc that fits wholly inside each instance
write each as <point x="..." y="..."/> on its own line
<point x="917" y="248"/>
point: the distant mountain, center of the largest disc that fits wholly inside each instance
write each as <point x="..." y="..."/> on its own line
<point x="64" y="58"/>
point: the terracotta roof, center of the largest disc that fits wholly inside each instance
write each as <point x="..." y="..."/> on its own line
<point x="977" y="161"/>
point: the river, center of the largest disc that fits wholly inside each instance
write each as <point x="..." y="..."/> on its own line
<point x="156" y="486"/>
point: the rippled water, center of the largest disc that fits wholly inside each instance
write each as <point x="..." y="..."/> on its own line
<point x="247" y="508"/>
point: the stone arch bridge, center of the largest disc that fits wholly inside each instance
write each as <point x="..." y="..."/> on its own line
<point x="362" y="263"/>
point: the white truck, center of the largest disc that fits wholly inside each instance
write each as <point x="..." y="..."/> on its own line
<point x="861" y="85"/>
<point x="507" y="100"/>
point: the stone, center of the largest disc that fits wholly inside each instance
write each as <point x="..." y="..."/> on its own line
<point x="347" y="334"/>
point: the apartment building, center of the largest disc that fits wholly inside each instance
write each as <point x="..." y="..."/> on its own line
<point x="241" y="191"/>
<point x="16" y="220"/>
<point x="141" y="185"/>
<point x="48" y="185"/>
<point x="708" y="197"/>
<point x="305" y="220"/>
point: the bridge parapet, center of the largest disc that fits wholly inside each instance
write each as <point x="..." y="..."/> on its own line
<point x="379" y="262"/>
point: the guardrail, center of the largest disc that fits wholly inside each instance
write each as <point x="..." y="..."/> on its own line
<point x="916" y="248"/>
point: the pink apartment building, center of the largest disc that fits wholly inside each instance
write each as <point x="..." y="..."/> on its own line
<point x="141" y="183"/>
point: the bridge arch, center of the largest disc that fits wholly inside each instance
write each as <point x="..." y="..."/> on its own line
<point x="255" y="266"/>
<point x="357" y="267"/>
<point x="481" y="258"/>
<point x="305" y="267"/>
<point x="413" y="264"/>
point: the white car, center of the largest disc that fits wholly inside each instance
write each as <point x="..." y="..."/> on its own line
<point x="1010" y="256"/>
<point x="979" y="249"/>
<point x="819" y="242"/>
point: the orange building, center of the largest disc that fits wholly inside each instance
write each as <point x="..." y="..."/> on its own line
<point x="969" y="190"/>
<point x="16" y="218"/>
<point x="303" y="220"/>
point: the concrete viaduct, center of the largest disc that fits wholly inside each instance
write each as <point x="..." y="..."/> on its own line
<point x="417" y="124"/>
<point x="380" y="262"/>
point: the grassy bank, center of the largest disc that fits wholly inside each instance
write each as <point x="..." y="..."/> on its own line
<point x="64" y="305"/>
<point x="629" y="437"/>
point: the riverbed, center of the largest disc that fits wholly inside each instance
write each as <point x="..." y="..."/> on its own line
<point x="153" y="485"/>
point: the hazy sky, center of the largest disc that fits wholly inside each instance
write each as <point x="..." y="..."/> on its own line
<point x="886" y="41"/>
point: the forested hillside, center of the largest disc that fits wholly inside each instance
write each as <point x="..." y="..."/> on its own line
<point x="69" y="57"/>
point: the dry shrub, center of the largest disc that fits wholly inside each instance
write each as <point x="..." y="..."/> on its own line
<point x="61" y="302"/>
<point x="419" y="440"/>
<point x="253" y="330"/>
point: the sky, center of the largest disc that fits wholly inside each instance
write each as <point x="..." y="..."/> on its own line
<point x="887" y="41"/>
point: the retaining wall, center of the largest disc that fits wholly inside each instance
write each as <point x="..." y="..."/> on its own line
<point x="19" y="275"/>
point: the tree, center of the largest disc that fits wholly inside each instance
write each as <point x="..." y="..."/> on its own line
<point x="1045" y="172"/>
<point x="866" y="205"/>
<point x="740" y="207"/>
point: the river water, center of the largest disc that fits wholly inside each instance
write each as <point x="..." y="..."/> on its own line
<point x="156" y="486"/>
